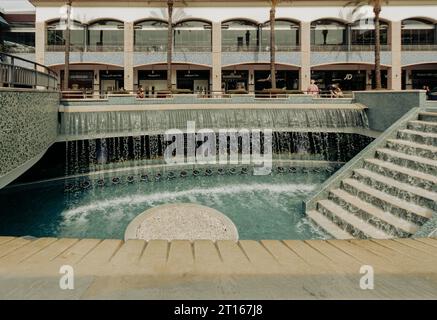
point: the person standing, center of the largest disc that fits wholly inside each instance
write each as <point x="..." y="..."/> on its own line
<point x="313" y="89"/>
<point x="247" y="39"/>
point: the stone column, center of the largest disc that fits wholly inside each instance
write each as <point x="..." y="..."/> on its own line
<point x="305" y="52"/>
<point x="395" y="74"/>
<point x="174" y="77"/>
<point x="129" y="56"/>
<point x="40" y="42"/>
<point x="216" y="57"/>
<point x="251" y="80"/>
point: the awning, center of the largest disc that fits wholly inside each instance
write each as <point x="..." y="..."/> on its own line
<point x="3" y="22"/>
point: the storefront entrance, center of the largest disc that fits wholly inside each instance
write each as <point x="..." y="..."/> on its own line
<point x="152" y="81"/>
<point x="79" y="79"/>
<point x="196" y="81"/>
<point x="288" y="80"/>
<point x="421" y="78"/>
<point x="352" y="80"/>
<point x="235" y="80"/>
<point x="111" y="81"/>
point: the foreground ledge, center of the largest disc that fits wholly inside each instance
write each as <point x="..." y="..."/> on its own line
<point x="270" y="269"/>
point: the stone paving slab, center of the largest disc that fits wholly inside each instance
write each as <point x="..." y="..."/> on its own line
<point x="268" y="269"/>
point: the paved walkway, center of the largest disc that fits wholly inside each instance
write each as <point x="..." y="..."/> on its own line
<point x="315" y="269"/>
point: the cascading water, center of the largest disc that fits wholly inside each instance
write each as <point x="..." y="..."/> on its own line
<point x="109" y="153"/>
<point x="152" y="122"/>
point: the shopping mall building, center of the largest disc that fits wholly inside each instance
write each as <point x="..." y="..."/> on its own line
<point x="223" y="45"/>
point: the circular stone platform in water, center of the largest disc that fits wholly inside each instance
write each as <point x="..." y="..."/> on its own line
<point x="182" y="221"/>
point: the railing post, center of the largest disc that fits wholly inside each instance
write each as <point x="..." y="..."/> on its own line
<point x="35" y="81"/>
<point x="11" y="76"/>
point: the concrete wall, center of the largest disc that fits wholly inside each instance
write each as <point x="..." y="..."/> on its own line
<point x="28" y="127"/>
<point x="387" y="107"/>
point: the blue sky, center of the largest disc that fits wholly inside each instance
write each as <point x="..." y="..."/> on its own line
<point x="16" y="5"/>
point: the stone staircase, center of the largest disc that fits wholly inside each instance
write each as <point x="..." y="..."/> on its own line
<point x="391" y="194"/>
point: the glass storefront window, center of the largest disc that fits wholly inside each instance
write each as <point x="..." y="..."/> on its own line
<point x="56" y="36"/>
<point x="106" y="35"/>
<point x="152" y="81"/>
<point x="235" y="80"/>
<point x="347" y="80"/>
<point x="150" y="36"/>
<point x="328" y="33"/>
<point x="286" y="36"/>
<point x="421" y="78"/>
<point x="79" y="79"/>
<point x="192" y="36"/>
<point x="285" y="79"/>
<point x="111" y="81"/>
<point x="240" y="35"/>
<point x="417" y="32"/>
<point x="19" y="41"/>
<point x="363" y="33"/>
<point x="196" y="81"/>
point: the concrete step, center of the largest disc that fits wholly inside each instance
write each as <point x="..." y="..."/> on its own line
<point x="428" y="116"/>
<point x="421" y="164"/>
<point x="413" y="148"/>
<point x="402" y="174"/>
<point x="398" y="189"/>
<point x="349" y="222"/>
<point x="424" y="126"/>
<point x="379" y="218"/>
<point x="418" y="136"/>
<point x="401" y="208"/>
<point x="328" y="226"/>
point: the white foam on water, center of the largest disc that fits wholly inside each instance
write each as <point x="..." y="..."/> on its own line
<point x="191" y="194"/>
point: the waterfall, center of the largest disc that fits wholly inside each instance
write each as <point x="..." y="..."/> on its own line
<point x="127" y="123"/>
<point x="133" y="138"/>
<point x="110" y="153"/>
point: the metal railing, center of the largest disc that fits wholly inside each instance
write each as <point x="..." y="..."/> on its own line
<point x="88" y="48"/>
<point x="283" y="48"/>
<point x="17" y="72"/>
<point x="419" y="47"/>
<point x="239" y="48"/>
<point x="347" y="48"/>
<point x="165" y="94"/>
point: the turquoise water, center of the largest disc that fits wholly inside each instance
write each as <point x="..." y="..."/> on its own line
<point x="262" y="207"/>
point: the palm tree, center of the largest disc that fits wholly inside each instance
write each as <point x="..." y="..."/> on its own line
<point x="67" y="47"/>
<point x="377" y="8"/>
<point x="274" y="3"/>
<point x="170" y="4"/>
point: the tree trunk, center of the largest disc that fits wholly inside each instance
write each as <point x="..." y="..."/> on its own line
<point x="67" y="49"/>
<point x="377" y="11"/>
<point x="169" y="43"/>
<point x="272" y="47"/>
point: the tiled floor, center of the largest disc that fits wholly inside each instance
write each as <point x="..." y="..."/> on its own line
<point x="315" y="269"/>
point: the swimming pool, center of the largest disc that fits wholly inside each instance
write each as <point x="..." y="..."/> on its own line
<point x="262" y="207"/>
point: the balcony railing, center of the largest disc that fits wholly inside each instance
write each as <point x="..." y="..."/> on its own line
<point x="283" y="48"/>
<point x="18" y="49"/>
<point x="151" y="48"/>
<point x="61" y="48"/>
<point x="347" y="48"/>
<point x="419" y="47"/>
<point x="13" y="73"/>
<point x="239" y="48"/>
<point x="90" y="48"/>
